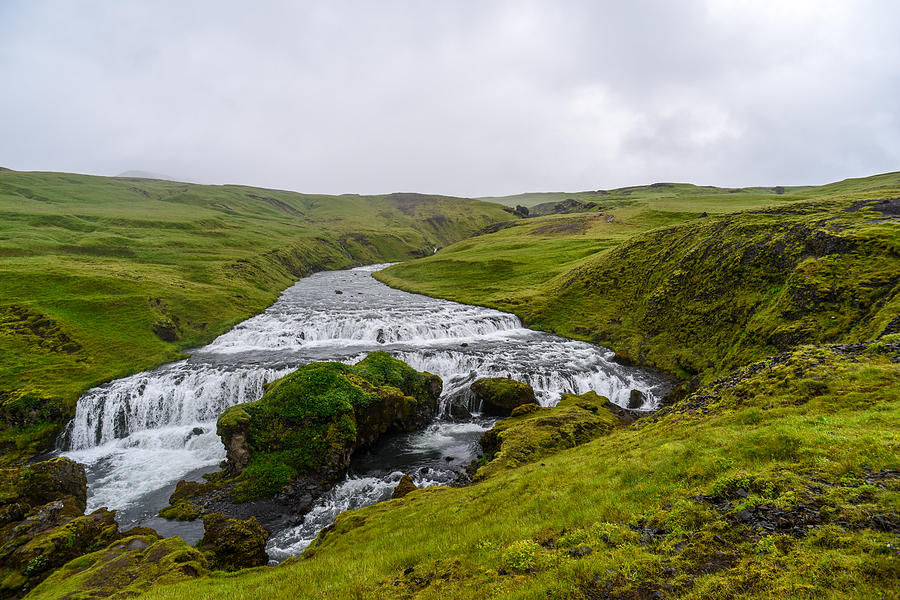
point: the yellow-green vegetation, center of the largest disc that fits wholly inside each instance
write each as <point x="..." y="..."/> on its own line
<point x="102" y="277"/>
<point x="534" y="432"/>
<point x="702" y="295"/>
<point x="501" y="396"/>
<point x="125" y="569"/>
<point x="760" y="485"/>
<point x="309" y="423"/>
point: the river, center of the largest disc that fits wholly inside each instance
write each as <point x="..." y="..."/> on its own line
<point x="139" y="435"/>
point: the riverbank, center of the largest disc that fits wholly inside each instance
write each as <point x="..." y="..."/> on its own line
<point x="103" y="277"/>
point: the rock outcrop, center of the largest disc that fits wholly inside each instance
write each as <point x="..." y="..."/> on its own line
<point x="233" y="544"/>
<point x="44" y="531"/>
<point x="405" y="486"/>
<point x="535" y="432"/>
<point x="286" y="449"/>
<point x="500" y="396"/>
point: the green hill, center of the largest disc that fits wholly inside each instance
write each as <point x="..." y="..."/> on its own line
<point x="102" y="277"/>
<point x="775" y="473"/>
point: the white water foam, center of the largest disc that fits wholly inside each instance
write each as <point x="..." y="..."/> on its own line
<point x="139" y="434"/>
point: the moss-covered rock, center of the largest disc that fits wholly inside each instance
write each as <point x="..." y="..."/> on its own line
<point x="233" y="544"/>
<point x="405" y="486"/>
<point x="124" y="569"/>
<point x="24" y="489"/>
<point x="500" y="396"/>
<point x="42" y="524"/>
<point x="290" y="446"/>
<point x="310" y="422"/>
<point x="30" y="555"/>
<point x="535" y="433"/>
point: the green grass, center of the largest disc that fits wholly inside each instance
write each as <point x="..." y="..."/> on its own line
<point x="102" y="277"/>
<point x="693" y="295"/>
<point x="510" y="535"/>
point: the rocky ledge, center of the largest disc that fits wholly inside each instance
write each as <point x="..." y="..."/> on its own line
<point x="48" y="544"/>
<point x="291" y="446"/>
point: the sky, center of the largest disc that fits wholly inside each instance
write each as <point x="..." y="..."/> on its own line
<point x="458" y="97"/>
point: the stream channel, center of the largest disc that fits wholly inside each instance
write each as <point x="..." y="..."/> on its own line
<point x="139" y="435"/>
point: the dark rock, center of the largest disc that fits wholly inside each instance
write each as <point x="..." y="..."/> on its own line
<point x="499" y="396"/>
<point x="581" y="551"/>
<point x="380" y="336"/>
<point x="405" y="486"/>
<point x="234" y="544"/>
<point x="636" y="399"/>
<point x="338" y="292"/>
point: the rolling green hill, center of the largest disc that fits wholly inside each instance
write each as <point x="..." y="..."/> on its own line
<point x="674" y="283"/>
<point x="775" y="473"/>
<point x="101" y="277"/>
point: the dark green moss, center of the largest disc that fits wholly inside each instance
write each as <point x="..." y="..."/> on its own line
<point x="313" y="419"/>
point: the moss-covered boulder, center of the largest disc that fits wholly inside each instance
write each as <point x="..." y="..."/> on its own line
<point x="405" y="486"/>
<point x="42" y="523"/>
<point x="499" y="396"/>
<point x="289" y="447"/>
<point x="124" y="569"/>
<point x="310" y="422"/>
<point x="538" y="432"/>
<point x="233" y="544"/>
<point x="22" y="490"/>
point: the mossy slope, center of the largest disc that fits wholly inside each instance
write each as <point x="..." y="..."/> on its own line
<point x="103" y="277"/>
<point x="761" y="485"/>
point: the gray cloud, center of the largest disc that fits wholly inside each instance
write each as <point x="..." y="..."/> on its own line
<point x="465" y="97"/>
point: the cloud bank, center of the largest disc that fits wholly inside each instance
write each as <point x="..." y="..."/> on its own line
<point x="468" y="97"/>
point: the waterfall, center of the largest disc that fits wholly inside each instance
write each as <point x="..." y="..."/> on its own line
<point x="139" y="435"/>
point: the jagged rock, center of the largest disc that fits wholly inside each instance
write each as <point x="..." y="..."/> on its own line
<point x="233" y="544"/>
<point x="405" y="486"/>
<point x="43" y="482"/>
<point x="500" y="396"/>
<point x="233" y="427"/>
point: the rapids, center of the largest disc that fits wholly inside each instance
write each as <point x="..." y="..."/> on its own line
<point x="139" y="435"/>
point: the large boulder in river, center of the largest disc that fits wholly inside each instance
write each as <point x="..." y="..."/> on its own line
<point x="405" y="486"/>
<point x="499" y="396"/>
<point x="305" y="428"/>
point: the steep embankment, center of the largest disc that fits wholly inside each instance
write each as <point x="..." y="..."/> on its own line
<point x="697" y="298"/>
<point x="102" y="277"/>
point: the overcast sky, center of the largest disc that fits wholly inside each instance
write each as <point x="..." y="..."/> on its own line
<point x="471" y="98"/>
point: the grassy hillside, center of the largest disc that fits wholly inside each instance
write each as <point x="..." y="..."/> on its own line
<point x="775" y="475"/>
<point x="695" y="295"/>
<point x="760" y="486"/>
<point x="102" y="277"/>
<point x="664" y="195"/>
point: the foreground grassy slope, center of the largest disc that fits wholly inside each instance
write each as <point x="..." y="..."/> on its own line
<point x="775" y="482"/>
<point x="102" y="277"/>
<point x="692" y="294"/>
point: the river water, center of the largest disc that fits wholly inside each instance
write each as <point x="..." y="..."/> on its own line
<point x="139" y="435"/>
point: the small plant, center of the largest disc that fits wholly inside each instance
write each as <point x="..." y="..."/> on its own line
<point x="521" y="555"/>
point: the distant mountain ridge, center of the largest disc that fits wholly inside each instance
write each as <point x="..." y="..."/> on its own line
<point x="151" y="175"/>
